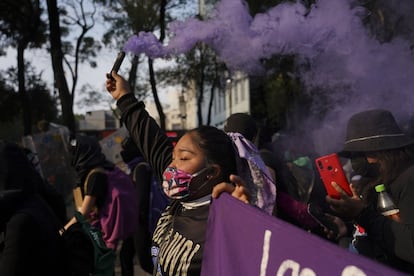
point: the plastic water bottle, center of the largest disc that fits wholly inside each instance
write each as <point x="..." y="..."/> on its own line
<point x="385" y="204"/>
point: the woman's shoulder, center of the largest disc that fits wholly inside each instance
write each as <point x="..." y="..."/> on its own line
<point x="403" y="184"/>
<point x="98" y="171"/>
<point x="31" y="215"/>
<point x="20" y="221"/>
<point x="407" y="174"/>
<point x="94" y="177"/>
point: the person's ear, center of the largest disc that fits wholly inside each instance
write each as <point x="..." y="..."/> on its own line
<point x="214" y="171"/>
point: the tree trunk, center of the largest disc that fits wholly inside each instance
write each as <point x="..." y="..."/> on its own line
<point x="57" y="65"/>
<point x="161" y="114"/>
<point x="212" y="94"/>
<point x="26" y="108"/>
<point x="163" y="7"/>
<point x="200" y="97"/>
<point x="132" y="78"/>
<point x="155" y="93"/>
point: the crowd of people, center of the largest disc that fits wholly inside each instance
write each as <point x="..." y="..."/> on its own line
<point x="175" y="185"/>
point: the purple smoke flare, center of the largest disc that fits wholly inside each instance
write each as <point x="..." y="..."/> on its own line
<point x="340" y="54"/>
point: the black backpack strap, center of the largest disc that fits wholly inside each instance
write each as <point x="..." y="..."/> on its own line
<point x="78" y="192"/>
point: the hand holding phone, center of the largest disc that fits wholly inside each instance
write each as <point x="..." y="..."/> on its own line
<point x="117" y="64"/>
<point x="330" y="170"/>
<point x="322" y="218"/>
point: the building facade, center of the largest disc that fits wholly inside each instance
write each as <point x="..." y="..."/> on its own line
<point x="181" y="109"/>
<point x="98" y="120"/>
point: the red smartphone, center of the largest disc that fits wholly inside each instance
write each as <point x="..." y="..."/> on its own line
<point x="330" y="170"/>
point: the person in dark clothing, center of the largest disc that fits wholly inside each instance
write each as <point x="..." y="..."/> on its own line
<point x="48" y="192"/>
<point x="140" y="242"/>
<point x="260" y="177"/>
<point x="245" y="124"/>
<point x="199" y="167"/>
<point x="87" y="155"/>
<point x="288" y="177"/>
<point x="383" y="154"/>
<point x="31" y="243"/>
<point x="104" y="194"/>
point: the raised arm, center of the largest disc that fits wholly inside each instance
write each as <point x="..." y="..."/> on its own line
<point x="150" y="139"/>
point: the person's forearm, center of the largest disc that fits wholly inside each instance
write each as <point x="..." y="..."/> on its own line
<point x="71" y="221"/>
<point x="150" y="139"/>
<point x="87" y="206"/>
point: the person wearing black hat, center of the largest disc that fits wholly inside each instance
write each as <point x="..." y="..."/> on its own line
<point x="384" y="154"/>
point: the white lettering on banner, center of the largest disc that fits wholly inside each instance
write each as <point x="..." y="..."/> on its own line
<point x="295" y="267"/>
<point x="307" y="272"/>
<point x="287" y="265"/>
<point x="265" y="255"/>
<point x="352" y="270"/>
<point x="292" y="268"/>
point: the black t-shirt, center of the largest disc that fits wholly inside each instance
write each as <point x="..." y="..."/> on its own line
<point x="32" y="241"/>
<point x="180" y="240"/>
<point x="97" y="187"/>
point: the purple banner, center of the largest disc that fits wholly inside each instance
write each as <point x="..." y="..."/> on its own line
<point x="242" y="240"/>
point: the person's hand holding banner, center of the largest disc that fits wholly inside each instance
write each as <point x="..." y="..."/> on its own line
<point x="236" y="188"/>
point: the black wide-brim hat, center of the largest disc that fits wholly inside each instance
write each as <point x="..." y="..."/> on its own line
<point x="373" y="130"/>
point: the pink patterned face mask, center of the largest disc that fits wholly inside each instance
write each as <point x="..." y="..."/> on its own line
<point x="176" y="183"/>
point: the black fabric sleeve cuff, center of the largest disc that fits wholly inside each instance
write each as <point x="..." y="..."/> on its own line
<point x="367" y="216"/>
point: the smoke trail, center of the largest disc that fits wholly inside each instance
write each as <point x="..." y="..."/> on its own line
<point x="341" y="55"/>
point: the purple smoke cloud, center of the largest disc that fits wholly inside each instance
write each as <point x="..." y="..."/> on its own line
<point x="242" y="41"/>
<point x="341" y="55"/>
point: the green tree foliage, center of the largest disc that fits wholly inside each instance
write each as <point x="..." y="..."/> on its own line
<point x="198" y="69"/>
<point x="78" y="19"/>
<point x="70" y="46"/>
<point x="128" y="17"/>
<point x="22" y="28"/>
<point x="57" y="57"/>
<point x="9" y="102"/>
<point x="275" y="96"/>
<point x="44" y="106"/>
<point x="263" y="5"/>
<point x="278" y="99"/>
<point x="21" y="23"/>
<point x="386" y="22"/>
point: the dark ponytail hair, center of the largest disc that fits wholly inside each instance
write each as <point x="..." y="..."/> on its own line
<point x="218" y="149"/>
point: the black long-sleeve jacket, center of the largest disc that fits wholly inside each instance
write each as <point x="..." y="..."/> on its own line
<point x="150" y="139"/>
<point x="179" y="237"/>
<point x="396" y="239"/>
<point x="31" y="241"/>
